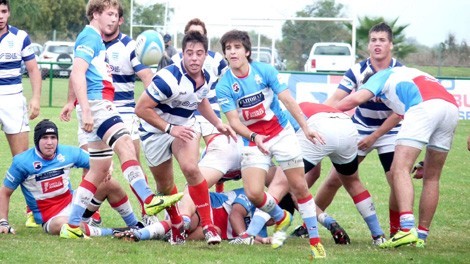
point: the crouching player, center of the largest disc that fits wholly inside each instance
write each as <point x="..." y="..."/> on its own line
<point x="43" y="173"/>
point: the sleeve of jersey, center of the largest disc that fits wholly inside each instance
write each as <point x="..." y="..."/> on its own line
<point x="83" y="159"/>
<point x="224" y="96"/>
<point x="85" y="48"/>
<point x="136" y="65"/>
<point x="14" y="176"/>
<point x="27" y="53"/>
<point x="159" y="90"/>
<point x="376" y="82"/>
<point x="349" y="82"/>
<point x="274" y="79"/>
<point x="223" y="66"/>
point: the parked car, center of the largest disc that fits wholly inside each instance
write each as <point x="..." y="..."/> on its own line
<point x="329" y="56"/>
<point x="57" y="51"/>
<point x="278" y="63"/>
<point x="37" y="49"/>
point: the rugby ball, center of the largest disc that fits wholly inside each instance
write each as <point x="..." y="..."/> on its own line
<point x="149" y="47"/>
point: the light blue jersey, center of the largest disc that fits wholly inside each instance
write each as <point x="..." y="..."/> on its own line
<point x="401" y="88"/>
<point x="255" y="99"/>
<point x="89" y="46"/>
<point x="45" y="183"/>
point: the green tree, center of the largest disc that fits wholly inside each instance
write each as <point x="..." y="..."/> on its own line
<point x="46" y="19"/>
<point x="400" y="47"/>
<point x="299" y="36"/>
<point x="151" y="15"/>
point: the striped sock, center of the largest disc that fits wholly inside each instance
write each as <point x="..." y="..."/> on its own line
<point x="135" y="176"/>
<point x="407" y="221"/>
<point x="366" y="208"/>
<point x="80" y="201"/>
<point x="270" y="206"/>
<point x="307" y="210"/>
<point x="124" y="208"/>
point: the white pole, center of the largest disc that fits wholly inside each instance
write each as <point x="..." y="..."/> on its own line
<point x="131" y="17"/>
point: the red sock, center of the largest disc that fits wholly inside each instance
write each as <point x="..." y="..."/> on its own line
<point x="219" y="187"/>
<point x="173" y="212"/>
<point x="394" y="221"/>
<point x="200" y="195"/>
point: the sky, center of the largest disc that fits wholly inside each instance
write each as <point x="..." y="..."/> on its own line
<point x="430" y="21"/>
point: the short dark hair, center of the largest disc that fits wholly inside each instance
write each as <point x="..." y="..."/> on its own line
<point x="196" y="22"/>
<point x="382" y="27"/>
<point x="239" y="35"/>
<point x="195" y="37"/>
<point x="5" y="2"/>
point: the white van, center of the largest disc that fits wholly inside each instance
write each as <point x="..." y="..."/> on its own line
<point x="329" y="56"/>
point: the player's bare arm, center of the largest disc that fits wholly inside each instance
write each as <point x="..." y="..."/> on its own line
<point x="78" y="81"/>
<point x="353" y="100"/>
<point x="293" y="107"/>
<point x="66" y="111"/>
<point x="207" y="112"/>
<point x="36" y="83"/>
<point x="5" y="194"/>
<point x="337" y="96"/>
<point x="145" y="110"/>
<point x="388" y="124"/>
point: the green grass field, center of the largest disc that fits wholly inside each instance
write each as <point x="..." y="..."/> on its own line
<point x="448" y="242"/>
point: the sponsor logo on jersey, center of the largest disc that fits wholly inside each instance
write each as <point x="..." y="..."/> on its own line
<point x="37" y="165"/>
<point x="235" y="87"/>
<point x="8" y="56"/>
<point x="49" y="174"/>
<point x="251" y="100"/>
<point x="52" y="185"/>
<point x="257" y="112"/>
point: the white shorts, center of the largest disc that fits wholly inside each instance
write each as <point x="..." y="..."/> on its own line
<point x="101" y="110"/>
<point x="130" y="120"/>
<point x="283" y="147"/>
<point x="221" y="155"/>
<point x="65" y="212"/>
<point x="383" y="144"/>
<point x="14" y="114"/>
<point x="157" y="146"/>
<point x="340" y="135"/>
<point x="430" y="123"/>
<point x="206" y="127"/>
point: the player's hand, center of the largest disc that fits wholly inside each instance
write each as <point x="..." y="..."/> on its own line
<point x="87" y="122"/>
<point x="366" y="142"/>
<point x="314" y="136"/>
<point x="184" y="133"/>
<point x="66" y="112"/>
<point x="5" y="227"/>
<point x="259" y="141"/>
<point x="34" y="106"/>
<point x="228" y="131"/>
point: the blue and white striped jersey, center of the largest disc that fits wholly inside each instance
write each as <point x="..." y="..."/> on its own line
<point x="216" y="65"/>
<point x="176" y="95"/>
<point x="370" y="115"/>
<point x="14" y="48"/>
<point x="124" y="64"/>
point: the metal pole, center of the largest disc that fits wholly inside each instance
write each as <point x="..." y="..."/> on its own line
<point x="131" y="17"/>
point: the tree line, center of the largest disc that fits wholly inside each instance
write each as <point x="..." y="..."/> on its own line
<point x="64" y="19"/>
